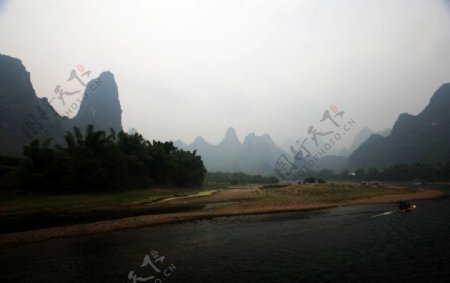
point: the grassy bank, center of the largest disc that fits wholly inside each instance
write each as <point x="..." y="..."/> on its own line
<point x="28" y="211"/>
<point x="328" y="193"/>
<point x="20" y="212"/>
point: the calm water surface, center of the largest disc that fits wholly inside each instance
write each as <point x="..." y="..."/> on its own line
<point x="348" y="244"/>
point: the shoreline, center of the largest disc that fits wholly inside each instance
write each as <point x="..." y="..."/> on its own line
<point x="240" y="209"/>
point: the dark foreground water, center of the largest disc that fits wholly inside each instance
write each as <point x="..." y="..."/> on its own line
<point x="349" y="244"/>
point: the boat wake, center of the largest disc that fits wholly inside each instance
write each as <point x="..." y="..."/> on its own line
<point x="384" y="213"/>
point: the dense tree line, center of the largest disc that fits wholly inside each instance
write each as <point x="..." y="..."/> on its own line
<point x="406" y="172"/>
<point x="239" y="178"/>
<point x="397" y="172"/>
<point x="97" y="161"/>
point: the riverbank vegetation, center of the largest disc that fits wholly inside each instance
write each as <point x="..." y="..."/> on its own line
<point x="396" y="172"/>
<point x="27" y="211"/>
<point x="239" y="178"/>
<point x="97" y="161"/>
<point x="30" y="211"/>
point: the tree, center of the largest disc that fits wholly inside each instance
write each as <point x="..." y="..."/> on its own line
<point x="96" y="161"/>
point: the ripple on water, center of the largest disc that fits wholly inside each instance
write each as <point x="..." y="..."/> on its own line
<point x="345" y="244"/>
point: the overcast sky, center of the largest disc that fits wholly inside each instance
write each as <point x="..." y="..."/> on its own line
<point x="188" y="68"/>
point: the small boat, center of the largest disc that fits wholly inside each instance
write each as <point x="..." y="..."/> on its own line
<point x="405" y="206"/>
<point x="419" y="182"/>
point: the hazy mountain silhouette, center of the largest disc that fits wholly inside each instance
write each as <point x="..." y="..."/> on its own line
<point x="421" y="138"/>
<point x="101" y="105"/>
<point x="230" y="138"/>
<point x="360" y="137"/>
<point x="256" y="155"/>
<point x="386" y="132"/>
<point x="25" y="117"/>
<point x="333" y="162"/>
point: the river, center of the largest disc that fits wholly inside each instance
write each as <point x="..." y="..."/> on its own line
<point x="367" y="243"/>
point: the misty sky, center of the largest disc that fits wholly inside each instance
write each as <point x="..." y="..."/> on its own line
<point x="188" y="68"/>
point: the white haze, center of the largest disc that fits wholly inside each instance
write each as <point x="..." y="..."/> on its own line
<point x="188" y="68"/>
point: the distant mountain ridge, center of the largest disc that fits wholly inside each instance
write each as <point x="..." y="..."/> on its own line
<point x="256" y="155"/>
<point x="421" y="138"/>
<point x="101" y="107"/>
<point x="24" y="116"/>
<point x="360" y="137"/>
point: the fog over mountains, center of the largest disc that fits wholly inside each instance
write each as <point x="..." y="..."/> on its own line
<point x="25" y="117"/>
<point x="422" y="138"/>
<point x="255" y="155"/>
